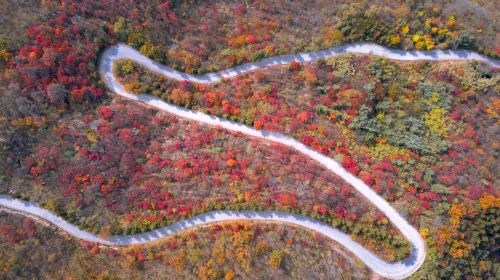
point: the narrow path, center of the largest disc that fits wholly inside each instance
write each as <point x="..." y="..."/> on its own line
<point x="124" y="51"/>
<point x="390" y="270"/>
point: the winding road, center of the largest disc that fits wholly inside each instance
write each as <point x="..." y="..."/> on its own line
<point x="396" y="270"/>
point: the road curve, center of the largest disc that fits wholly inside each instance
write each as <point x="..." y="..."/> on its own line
<point x="396" y="270"/>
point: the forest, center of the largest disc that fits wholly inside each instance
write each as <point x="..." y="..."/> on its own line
<point x="219" y="251"/>
<point x="422" y="134"/>
<point x="423" y="130"/>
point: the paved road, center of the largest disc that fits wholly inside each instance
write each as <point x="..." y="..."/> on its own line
<point x="390" y="270"/>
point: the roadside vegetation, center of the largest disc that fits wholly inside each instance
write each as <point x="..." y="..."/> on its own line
<point x="128" y="169"/>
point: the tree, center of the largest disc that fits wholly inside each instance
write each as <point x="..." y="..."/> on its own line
<point x="275" y="259"/>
